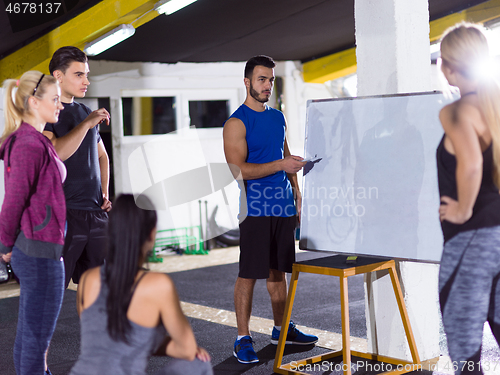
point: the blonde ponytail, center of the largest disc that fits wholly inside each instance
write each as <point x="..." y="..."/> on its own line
<point x="464" y="47"/>
<point x="17" y="94"/>
<point x="488" y="92"/>
<point x="13" y="114"/>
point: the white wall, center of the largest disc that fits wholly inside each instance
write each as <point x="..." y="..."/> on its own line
<point x="188" y="81"/>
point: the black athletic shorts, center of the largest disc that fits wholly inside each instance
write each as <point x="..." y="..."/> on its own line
<point x="266" y="242"/>
<point x="85" y="242"/>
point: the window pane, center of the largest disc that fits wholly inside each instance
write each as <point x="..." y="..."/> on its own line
<point x="208" y="113"/>
<point x="148" y="115"/>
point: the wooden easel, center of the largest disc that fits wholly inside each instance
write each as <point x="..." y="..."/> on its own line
<point x="336" y="266"/>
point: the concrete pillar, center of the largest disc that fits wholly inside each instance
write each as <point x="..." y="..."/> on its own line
<point x="392" y="46"/>
<point x="392" y="50"/>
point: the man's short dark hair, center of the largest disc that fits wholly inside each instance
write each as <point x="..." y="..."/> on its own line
<point x="64" y="56"/>
<point x="263" y="60"/>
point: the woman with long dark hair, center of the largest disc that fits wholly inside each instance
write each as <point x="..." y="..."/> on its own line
<point x="33" y="215"/>
<point x="468" y="160"/>
<point x="127" y="313"/>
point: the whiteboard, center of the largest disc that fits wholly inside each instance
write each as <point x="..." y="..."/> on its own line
<point x="371" y="187"/>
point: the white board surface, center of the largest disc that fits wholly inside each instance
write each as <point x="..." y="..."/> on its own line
<point x="371" y="188"/>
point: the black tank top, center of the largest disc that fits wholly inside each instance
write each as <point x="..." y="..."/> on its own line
<point x="486" y="210"/>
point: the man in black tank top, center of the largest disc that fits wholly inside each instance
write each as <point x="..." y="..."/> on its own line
<point x="78" y="143"/>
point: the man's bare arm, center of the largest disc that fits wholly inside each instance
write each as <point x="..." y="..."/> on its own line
<point x="295" y="184"/>
<point x="68" y="144"/>
<point x="235" y="149"/>
<point x="104" y="167"/>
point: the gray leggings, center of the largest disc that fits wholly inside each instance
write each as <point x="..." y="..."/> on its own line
<point x="469" y="294"/>
<point x="183" y="367"/>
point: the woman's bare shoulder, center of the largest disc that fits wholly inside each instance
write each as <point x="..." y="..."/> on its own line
<point x="91" y="277"/>
<point x="459" y="113"/>
<point x="157" y="282"/>
<point x="447" y="111"/>
<point x="90" y="286"/>
<point x="157" y="276"/>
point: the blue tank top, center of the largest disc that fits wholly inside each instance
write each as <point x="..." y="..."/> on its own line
<point x="265" y="135"/>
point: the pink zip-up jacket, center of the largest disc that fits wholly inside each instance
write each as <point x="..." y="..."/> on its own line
<point x="33" y="215"/>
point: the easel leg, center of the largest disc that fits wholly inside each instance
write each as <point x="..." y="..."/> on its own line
<point x="404" y="314"/>
<point x="346" y="334"/>
<point x="286" y="320"/>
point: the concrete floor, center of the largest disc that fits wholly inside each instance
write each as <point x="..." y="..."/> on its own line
<point x="205" y="285"/>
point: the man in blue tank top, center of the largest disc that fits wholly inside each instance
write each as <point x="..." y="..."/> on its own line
<point x="256" y="149"/>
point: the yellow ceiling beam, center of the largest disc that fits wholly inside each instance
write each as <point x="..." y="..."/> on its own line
<point x="481" y="13"/>
<point x="484" y="12"/>
<point x="343" y="63"/>
<point x="80" y="30"/>
<point x="439" y="26"/>
<point x="330" y="67"/>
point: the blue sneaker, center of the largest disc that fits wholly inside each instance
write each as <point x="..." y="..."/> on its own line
<point x="243" y="350"/>
<point x="294" y="336"/>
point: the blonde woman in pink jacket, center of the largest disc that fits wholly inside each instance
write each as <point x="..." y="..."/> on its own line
<point x="33" y="215"/>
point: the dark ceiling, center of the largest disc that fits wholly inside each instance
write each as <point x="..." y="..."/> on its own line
<point x="220" y="30"/>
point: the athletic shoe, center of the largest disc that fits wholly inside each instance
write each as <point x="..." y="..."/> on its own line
<point x="294" y="336"/>
<point x="243" y="350"/>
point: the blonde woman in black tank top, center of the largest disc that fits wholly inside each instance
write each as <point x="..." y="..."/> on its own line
<point x="468" y="160"/>
<point x="127" y="314"/>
